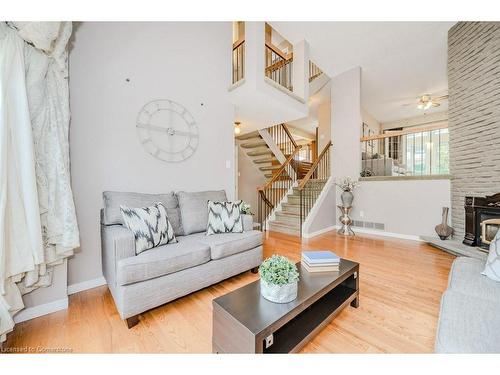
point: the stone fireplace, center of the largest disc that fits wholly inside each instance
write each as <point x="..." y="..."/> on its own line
<point x="482" y="220"/>
<point x="474" y="123"/>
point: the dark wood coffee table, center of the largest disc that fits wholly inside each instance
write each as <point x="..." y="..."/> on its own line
<point x="245" y="322"/>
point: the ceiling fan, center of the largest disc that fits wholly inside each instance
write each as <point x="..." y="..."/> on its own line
<point x="427" y="101"/>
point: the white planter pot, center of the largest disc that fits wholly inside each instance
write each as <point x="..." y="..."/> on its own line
<point x="278" y="293"/>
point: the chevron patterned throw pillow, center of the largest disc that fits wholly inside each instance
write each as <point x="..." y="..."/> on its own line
<point x="150" y="226"/>
<point x="224" y="217"/>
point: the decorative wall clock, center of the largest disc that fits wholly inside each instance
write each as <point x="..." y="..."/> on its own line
<point x="167" y="130"/>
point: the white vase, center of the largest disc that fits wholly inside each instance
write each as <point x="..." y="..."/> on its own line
<point x="278" y="293"/>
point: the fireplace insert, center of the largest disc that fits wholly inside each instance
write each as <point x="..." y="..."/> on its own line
<point x="482" y="220"/>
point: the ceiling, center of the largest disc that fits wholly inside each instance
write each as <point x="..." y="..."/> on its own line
<point x="399" y="60"/>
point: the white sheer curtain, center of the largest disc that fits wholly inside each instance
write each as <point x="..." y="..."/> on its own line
<point x="38" y="227"/>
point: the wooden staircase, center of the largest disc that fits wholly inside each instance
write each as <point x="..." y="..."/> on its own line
<point x="287" y="220"/>
<point x="287" y="212"/>
<point x="256" y="148"/>
<point x="259" y="152"/>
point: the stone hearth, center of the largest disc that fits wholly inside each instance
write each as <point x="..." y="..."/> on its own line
<point x="456" y="247"/>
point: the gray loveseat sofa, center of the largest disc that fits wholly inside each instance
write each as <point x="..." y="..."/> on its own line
<point x="154" y="277"/>
<point x="469" y="321"/>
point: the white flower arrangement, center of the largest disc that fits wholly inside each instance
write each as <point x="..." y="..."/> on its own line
<point x="347" y="184"/>
<point x="246" y="209"/>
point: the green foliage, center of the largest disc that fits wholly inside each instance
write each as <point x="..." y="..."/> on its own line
<point x="278" y="270"/>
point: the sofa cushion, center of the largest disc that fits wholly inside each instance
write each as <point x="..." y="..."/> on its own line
<point x="113" y="200"/>
<point x="468" y="324"/>
<point x="465" y="277"/>
<point x="163" y="260"/>
<point x="194" y="211"/>
<point x="226" y="244"/>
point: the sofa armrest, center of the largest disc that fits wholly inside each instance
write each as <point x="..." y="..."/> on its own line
<point x="117" y="243"/>
<point x="247" y="222"/>
<point x="122" y="241"/>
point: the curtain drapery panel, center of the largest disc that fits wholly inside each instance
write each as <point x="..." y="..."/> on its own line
<point x="38" y="227"/>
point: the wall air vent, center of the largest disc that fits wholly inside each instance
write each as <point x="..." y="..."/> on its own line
<point x="368" y="225"/>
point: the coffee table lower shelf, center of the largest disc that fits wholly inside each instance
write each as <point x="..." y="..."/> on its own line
<point x="245" y="323"/>
<point x="297" y="332"/>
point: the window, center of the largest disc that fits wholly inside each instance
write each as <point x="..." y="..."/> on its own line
<point x="406" y="153"/>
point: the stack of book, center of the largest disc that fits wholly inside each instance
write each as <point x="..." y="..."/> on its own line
<point x="320" y="261"/>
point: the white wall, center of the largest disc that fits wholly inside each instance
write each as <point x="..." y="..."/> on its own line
<point x="55" y="292"/>
<point x="405" y="207"/>
<point x="248" y="180"/>
<point x="324" y="125"/>
<point x="324" y="215"/>
<point x="411" y="207"/>
<point x="346" y="124"/>
<point x="372" y="123"/>
<point x="189" y="63"/>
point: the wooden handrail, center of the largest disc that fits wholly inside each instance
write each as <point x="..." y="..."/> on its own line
<point x="312" y="78"/>
<point x="264" y="198"/>
<point x="277" y="51"/>
<point x="414" y="130"/>
<point x="277" y="174"/>
<point x="238" y="43"/>
<point x="289" y="135"/>
<point x="277" y="65"/>
<point x="307" y="177"/>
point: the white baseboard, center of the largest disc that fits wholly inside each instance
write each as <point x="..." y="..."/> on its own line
<point x="386" y="234"/>
<point x="40" y="310"/>
<point x="367" y="231"/>
<point x="84" y="285"/>
<point x="318" y="232"/>
<point x="60" y="304"/>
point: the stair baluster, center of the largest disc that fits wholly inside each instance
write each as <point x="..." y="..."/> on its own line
<point x="311" y="185"/>
<point x="271" y="194"/>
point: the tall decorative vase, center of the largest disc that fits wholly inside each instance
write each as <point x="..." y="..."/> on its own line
<point x="347" y="198"/>
<point x="444" y="230"/>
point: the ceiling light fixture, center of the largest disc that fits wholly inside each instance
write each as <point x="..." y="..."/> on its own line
<point x="426" y="102"/>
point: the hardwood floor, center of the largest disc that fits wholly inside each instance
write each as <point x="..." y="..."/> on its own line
<point x="401" y="283"/>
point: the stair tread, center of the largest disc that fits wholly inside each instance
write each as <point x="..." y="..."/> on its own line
<point x="284" y="224"/>
<point x="288" y="217"/>
<point x="260" y="152"/>
<point x="247" y="136"/>
<point x="264" y="160"/>
<point x="269" y="168"/>
<point x="287" y="213"/>
<point x="254" y="144"/>
<point x="287" y="229"/>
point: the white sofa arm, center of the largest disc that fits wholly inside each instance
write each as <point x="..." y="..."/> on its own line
<point x="117" y="242"/>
